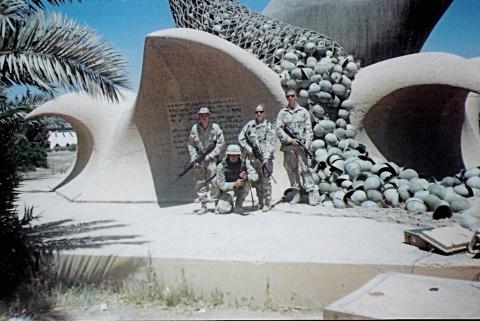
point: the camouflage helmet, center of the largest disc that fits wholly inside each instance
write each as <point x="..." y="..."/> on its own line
<point x="233" y="149"/>
<point x="204" y="110"/>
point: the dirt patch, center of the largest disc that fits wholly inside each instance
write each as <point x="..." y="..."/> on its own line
<point x="118" y="312"/>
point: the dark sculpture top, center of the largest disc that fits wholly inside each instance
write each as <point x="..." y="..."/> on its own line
<point x="251" y="31"/>
<point x="371" y="30"/>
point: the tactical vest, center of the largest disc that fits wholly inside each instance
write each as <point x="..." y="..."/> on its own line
<point x="232" y="171"/>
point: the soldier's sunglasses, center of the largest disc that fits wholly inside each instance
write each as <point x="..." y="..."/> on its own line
<point x="290" y="96"/>
<point x="259" y="112"/>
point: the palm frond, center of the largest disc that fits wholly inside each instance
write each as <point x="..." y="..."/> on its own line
<point x="3" y="96"/>
<point x="15" y="110"/>
<point x="41" y="3"/>
<point x="11" y="12"/>
<point x="57" y="52"/>
<point x="30" y="100"/>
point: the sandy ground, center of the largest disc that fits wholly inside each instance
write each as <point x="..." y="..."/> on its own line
<point x="59" y="162"/>
<point x="215" y="231"/>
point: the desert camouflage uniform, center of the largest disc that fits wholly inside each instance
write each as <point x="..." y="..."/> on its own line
<point x="263" y="134"/>
<point x="295" y="158"/>
<point x="227" y="174"/>
<point x="198" y="141"/>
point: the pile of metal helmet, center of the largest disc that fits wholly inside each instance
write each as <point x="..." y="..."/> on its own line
<point x="373" y="183"/>
<point x="323" y="80"/>
<point x="344" y="173"/>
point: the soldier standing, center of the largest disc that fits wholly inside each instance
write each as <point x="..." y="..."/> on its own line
<point x="201" y="136"/>
<point x="262" y="133"/>
<point x="298" y="121"/>
<point x="234" y="175"/>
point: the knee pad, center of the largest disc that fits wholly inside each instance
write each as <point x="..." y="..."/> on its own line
<point x="225" y="204"/>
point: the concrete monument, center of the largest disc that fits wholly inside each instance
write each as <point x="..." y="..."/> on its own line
<point x="421" y="111"/>
<point x="372" y="30"/>
<point x="133" y="151"/>
<point x="346" y="171"/>
<point x="186" y="69"/>
<point x="257" y="34"/>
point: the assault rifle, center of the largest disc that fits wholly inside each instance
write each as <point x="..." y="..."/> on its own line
<point x="200" y="158"/>
<point x="258" y="154"/>
<point x="292" y="135"/>
<point x="243" y="169"/>
<point x="246" y="180"/>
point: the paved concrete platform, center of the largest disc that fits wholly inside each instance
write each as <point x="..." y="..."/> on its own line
<point x="406" y="296"/>
<point x="292" y="256"/>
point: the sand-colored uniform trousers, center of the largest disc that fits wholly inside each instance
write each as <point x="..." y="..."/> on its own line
<point x="199" y="139"/>
<point x="263" y="134"/>
<point x="295" y="158"/>
<point x="227" y="174"/>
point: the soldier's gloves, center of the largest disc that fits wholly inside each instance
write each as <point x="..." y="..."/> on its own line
<point x="250" y="152"/>
<point x="238" y="183"/>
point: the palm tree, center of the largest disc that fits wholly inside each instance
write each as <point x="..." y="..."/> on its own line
<point x="55" y="52"/>
<point x="50" y="54"/>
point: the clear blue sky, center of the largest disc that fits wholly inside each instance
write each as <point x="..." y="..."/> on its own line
<point x="125" y="23"/>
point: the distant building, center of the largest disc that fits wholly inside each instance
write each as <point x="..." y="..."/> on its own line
<point x="63" y="138"/>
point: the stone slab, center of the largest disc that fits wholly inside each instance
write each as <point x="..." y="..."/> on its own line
<point x="406" y="296"/>
<point x="183" y="70"/>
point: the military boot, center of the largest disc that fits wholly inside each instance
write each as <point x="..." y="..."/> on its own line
<point x="296" y="196"/>
<point x="203" y="209"/>
<point x="238" y="208"/>
<point x="266" y="207"/>
<point x="312" y="198"/>
<point x="260" y="203"/>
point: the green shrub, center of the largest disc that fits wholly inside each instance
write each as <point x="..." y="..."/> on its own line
<point x="19" y="258"/>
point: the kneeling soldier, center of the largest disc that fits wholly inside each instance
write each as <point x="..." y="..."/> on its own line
<point x="234" y="175"/>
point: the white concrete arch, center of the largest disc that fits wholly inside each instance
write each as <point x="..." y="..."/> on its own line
<point x="411" y="110"/>
<point x="110" y="165"/>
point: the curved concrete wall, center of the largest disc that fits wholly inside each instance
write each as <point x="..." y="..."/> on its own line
<point x="411" y="110"/>
<point x="184" y="69"/>
<point x="471" y="128"/>
<point x="471" y="132"/>
<point x="133" y="151"/>
<point x="372" y="30"/>
<point x="111" y="164"/>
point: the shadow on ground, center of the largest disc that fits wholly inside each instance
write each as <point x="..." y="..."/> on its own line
<point x="60" y="235"/>
<point x="33" y="298"/>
